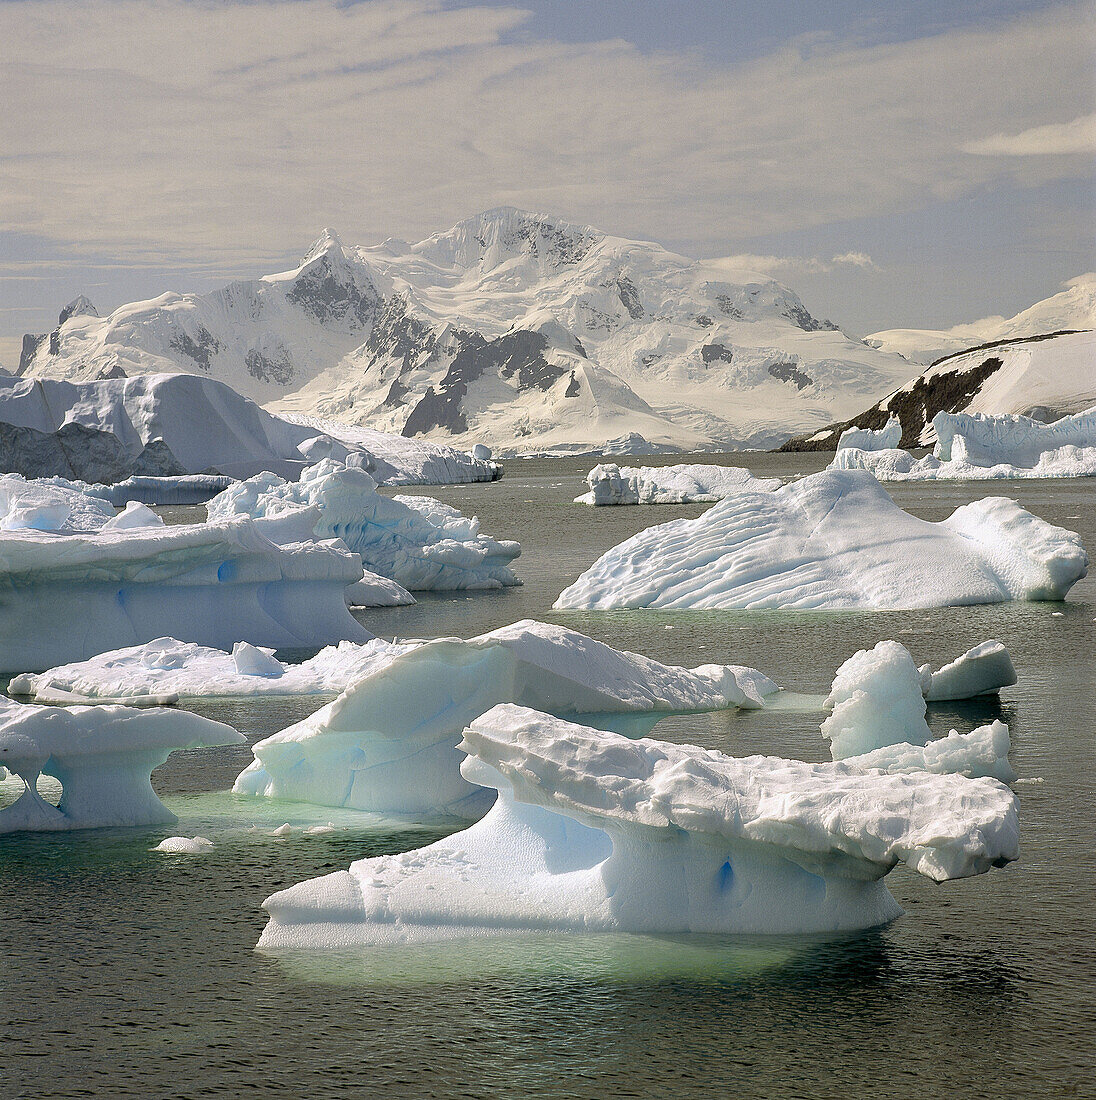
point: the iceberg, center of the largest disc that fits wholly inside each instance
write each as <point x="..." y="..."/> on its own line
<point x="166" y="670"/>
<point x="612" y="484"/>
<point x="876" y="700"/>
<point x="979" y="447"/>
<point x="417" y="541"/>
<point x="867" y="439"/>
<point x="834" y="540"/>
<point x="44" y="506"/>
<point x="68" y="597"/>
<point x="982" y="670"/>
<point x="389" y="743"/>
<point x="592" y="831"/>
<point x="103" y="757"/>
<point x="878" y="713"/>
<point x="167" y="425"/>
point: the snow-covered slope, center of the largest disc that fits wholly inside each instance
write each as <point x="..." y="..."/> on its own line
<point x="1044" y="377"/>
<point x="1072" y="309"/>
<point x="513" y="329"/>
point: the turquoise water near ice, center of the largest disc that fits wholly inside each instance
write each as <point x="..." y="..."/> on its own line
<point x="130" y="973"/>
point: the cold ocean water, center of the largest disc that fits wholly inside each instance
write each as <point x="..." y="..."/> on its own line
<point x="131" y="973"/>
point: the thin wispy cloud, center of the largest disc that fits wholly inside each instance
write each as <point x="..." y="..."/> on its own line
<point x="1074" y="138"/>
<point x="784" y="267"/>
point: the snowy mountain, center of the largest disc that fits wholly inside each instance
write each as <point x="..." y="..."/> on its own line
<point x="513" y="329"/>
<point x="1072" y="310"/>
<point x="1045" y="377"/>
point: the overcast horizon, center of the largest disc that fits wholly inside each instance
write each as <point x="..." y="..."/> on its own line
<point x="916" y="167"/>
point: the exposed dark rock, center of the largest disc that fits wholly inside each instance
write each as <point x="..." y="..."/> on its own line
<point x="915" y="407"/>
<point x="114" y="371"/>
<point x="790" y="372"/>
<point x="727" y="306"/>
<point x="275" y="366"/>
<point x="715" y="353"/>
<point x="156" y="460"/>
<point x="201" y="350"/>
<point x="398" y="335"/>
<point x="78" y="307"/>
<point x="573" y="388"/>
<point x="518" y="355"/>
<point x="320" y="292"/>
<point x="703" y="320"/>
<point x="800" y="317"/>
<point x="55" y="342"/>
<point x="31" y="344"/>
<point x="629" y="296"/>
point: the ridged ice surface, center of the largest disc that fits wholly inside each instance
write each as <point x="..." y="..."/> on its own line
<point x="695" y="482"/>
<point x="593" y="831"/>
<point x="834" y="540"/>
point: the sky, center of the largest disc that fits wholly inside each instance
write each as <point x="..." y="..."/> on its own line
<point x="909" y="164"/>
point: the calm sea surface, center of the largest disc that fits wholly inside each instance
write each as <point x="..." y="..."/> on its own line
<point x="130" y="973"/>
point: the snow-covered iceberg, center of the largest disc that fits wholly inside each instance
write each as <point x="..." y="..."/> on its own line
<point x="612" y="484"/>
<point x="594" y="832"/>
<point x="68" y="597"/>
<point x="103" y="757"/>
<point x="979" y="447"/>
<point x="834" y="540"/>
<point x="417" y="541"/>
<point x="389" y="743"/>
<point x="48" y="506"/>
<point x="980" y="753"/>
<point x="167" y="670"/>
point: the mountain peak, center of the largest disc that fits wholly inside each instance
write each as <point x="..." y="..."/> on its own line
<point x="503" y="233"/>
<point x="80" y="306"/>
<point x="328" y="241"/>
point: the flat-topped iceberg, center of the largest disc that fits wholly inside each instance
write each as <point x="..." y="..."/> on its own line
<point x="979" y="447"/>
<point x="612" y="484"/>
<point x="167" y="670"/>
<point x="834" y="540"/>
<point x="389" y="743"/>
<point x="982" y="670"/>
<point x="595" y="832"/>
<point x="417" y="541"/>
<point x="69" y="597"/>
<point x="103" y="757"/>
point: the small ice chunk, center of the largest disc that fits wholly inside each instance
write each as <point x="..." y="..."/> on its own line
<point x="283" y="830"/>
<point x="185" y="845"/>
<point x="983" y="670"/>
<point x="134" y="515"/>
<point x="253" y="660"/>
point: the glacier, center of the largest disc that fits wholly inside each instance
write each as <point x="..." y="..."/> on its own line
<point x="166" y="670"/>
<point x="592" y="831"/>
<point x="833" y="540"/>
<point x="389" y="742"/>
<point x="684" y="484"/>
<point x="67" y="597"/>
<point x="103" y="756"/>
<point x="980" y="447"/>
<point x="417" y="541"/>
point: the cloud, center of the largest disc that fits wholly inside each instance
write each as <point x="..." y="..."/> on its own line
<point x="1056" y="139"/>
<point x="789" y="266"/>
<point x="229" y="131"/>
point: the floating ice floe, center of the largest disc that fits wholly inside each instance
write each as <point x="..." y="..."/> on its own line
<point x="612" y="484"/>
<point x="416" y="541"/>
<point x="978" y="447"/>
<point x="69" y="597"/>
<point x="980" y="753"/>
<point x="185" y="845"/>
<point x="834" y="540"/>
<point x="595" y="832"/>
<point x="103" y="757"/>
<point x="389" y="743"/>
<point x="166" y="670"/>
